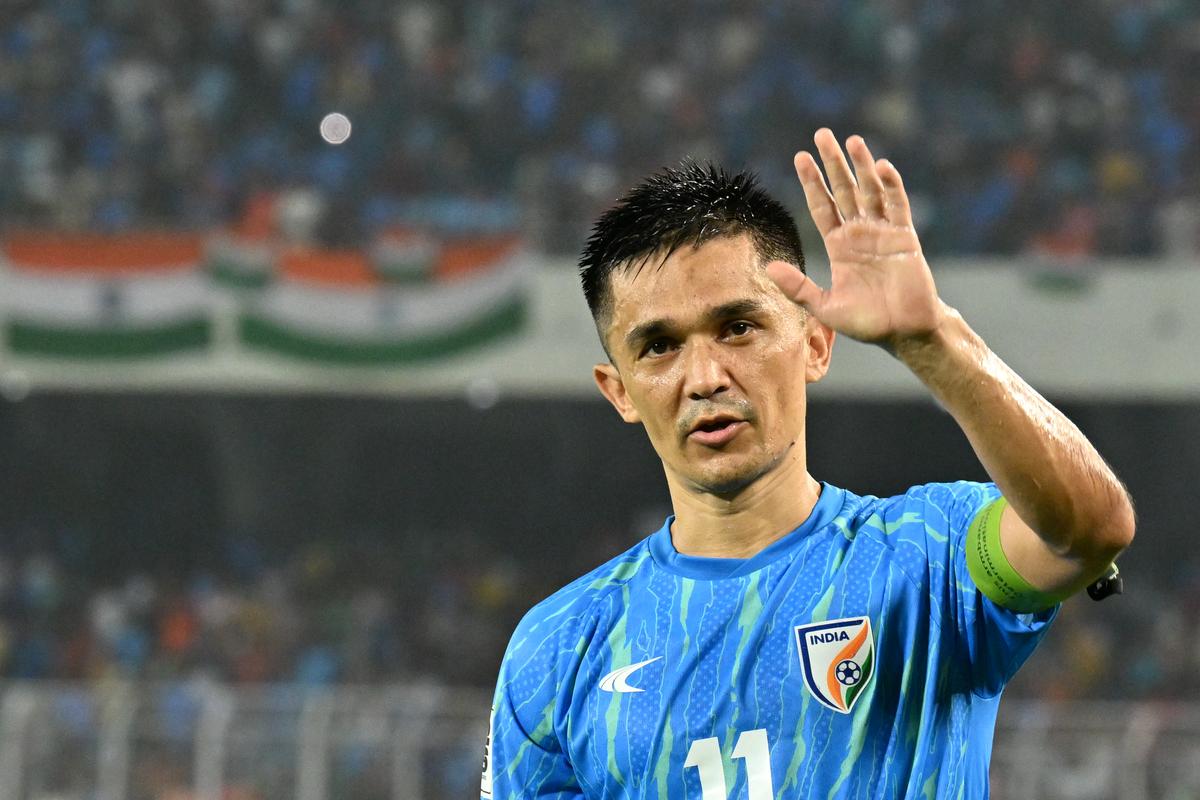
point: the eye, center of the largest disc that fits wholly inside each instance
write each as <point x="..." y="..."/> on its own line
<point x="658" y="347"/>
<point x="739" y="329"/>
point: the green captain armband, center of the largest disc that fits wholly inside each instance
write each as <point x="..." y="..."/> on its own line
<point x="991" y="571"/>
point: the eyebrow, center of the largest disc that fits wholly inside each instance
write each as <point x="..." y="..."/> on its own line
<point x="656" y="327"/>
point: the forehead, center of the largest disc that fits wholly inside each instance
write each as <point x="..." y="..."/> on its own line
<point x="690" y="282"/>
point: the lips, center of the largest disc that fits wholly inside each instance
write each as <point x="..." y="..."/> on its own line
<point x="717" y="430"/>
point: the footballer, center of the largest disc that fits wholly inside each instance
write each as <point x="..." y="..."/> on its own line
<point x="780" y="637"/>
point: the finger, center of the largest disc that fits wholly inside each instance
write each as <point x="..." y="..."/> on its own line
<point x="798" y="287"/>
<point x="895" y="199"/>
<point x="841" y="180"/>
<point x="870" y="186"/>
<point x="821" y="204"/>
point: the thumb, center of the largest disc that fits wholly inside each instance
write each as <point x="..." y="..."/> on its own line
<point x="798" y="287"/>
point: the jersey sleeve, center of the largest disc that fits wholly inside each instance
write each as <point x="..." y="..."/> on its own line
<point x="993" y="640"/>
<point x="525" y="759"/>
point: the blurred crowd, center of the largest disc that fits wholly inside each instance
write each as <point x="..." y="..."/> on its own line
<point x="441" y="609"/>
<point x="1021" y="126"/>
<point x="1144" y="645"/>
<point x="323" y="616"/>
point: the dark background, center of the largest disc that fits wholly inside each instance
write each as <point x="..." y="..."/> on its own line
<point x="459" y="518"/>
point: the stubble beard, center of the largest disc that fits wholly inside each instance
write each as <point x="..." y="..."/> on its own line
<point x="728" y="484"/>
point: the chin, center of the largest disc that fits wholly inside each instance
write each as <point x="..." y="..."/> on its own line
<point x="736" y="473"/>
<point x="729" y="482"/>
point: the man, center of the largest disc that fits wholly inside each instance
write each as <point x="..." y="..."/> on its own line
<point x="780" y="637"/>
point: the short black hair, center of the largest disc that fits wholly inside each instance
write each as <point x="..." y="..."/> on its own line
<point x="677" y="206"/>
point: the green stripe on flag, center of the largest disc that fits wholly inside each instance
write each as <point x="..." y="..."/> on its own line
<point x="33" y="338"/>
<point x="235" y="275"/>
<point x="263" y="333"/>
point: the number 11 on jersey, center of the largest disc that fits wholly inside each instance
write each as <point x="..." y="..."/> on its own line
<point x="751" y="746"/>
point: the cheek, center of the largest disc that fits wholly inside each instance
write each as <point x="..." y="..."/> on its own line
<point x="657" y="385"/>
<point x="782" y="370"/>
<point x="653" y="401"/>
<point x="659" y="381"/>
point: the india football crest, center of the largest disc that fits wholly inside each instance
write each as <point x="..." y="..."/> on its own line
<point x="838" y="660"/>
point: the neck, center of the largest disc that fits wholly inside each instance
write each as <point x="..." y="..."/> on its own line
<point x="741" y="525"/>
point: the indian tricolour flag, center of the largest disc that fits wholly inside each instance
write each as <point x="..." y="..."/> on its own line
<point x="343" y="307"/>
<point x="95" y="296"/>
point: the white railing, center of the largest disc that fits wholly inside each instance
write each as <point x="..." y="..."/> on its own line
<point x="1097" y="750"/>
<point x="204" y="741"/>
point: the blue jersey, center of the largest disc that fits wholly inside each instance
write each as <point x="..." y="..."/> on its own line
<point x="852" y="658"/>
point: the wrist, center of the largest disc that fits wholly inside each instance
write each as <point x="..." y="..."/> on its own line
<point x="948" y="335"/>
<point x="949" y="360"/>
<point x="952" y="362"/>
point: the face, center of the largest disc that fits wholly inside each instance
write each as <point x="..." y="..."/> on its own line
<point x="712" y="358"/>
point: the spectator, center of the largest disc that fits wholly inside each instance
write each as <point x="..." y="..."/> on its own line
<point x="119" y="115"/>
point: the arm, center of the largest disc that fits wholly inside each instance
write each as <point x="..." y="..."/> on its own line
<point x="1068" y="515"/>
<point x="524" y="764"/>
<point x="524" y="759"/>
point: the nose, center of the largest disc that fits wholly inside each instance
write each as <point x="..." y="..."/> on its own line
<point x="704" y="373"/>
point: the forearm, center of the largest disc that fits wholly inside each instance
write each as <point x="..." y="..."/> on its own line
<point x="1050" y="473"/>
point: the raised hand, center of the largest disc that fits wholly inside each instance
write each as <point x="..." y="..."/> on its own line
<point x="882" y="290"/>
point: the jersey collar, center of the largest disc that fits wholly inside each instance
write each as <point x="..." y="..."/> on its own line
<point x="663" y="551"/>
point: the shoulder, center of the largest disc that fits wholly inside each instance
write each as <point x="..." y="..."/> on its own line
<point x="938" y="507"/>
<point x="926" y="524"/>
<point x="573" y="613"/>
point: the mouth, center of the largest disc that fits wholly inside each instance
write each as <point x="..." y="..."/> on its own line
<point x="716" y="431"/>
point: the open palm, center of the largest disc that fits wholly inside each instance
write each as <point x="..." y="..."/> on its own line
<point x="882" y="290"/>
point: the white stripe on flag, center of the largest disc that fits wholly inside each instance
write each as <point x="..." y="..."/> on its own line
<point x="84" y="300"/>
<point x="391" y="312"/>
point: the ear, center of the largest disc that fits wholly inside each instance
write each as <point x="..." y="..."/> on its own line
<point x="820" y="338"/>
<point x="609" y="381"/>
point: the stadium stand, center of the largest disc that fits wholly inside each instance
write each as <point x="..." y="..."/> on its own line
<point x="258" y="595"/>
<point x="1066" y="129"/>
